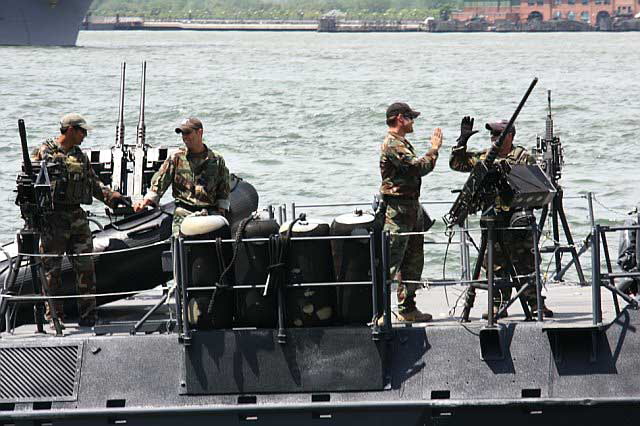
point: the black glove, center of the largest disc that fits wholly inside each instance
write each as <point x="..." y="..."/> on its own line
<point x="466" y="130"/>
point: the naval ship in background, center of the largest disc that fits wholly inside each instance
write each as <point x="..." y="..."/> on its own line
<point x="41" y="22"/>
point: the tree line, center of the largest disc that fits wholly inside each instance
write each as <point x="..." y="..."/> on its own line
<point x="273" y="9"/>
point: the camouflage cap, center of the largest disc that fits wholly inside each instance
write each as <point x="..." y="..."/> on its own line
<point x="189" y="124"/>
<point x="400" y="108"/>
<point x="499" y="126"/>
<point x="74" y="120"/>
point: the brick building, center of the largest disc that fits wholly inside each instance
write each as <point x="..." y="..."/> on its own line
<point x="588" y="11"/>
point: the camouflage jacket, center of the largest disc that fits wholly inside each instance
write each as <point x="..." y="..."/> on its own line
<point x="401" y="169"/>
<point x="200" y="180"/>
<point x="77" y="182"/>
<point x="462" y="160"/>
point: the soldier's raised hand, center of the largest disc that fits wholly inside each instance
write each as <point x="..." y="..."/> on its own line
<point x="436" y="138"/>
<point x="466" y="130"/>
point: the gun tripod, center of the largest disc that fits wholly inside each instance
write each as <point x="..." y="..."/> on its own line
<point x="28" y="243"/>
<point x="556" y="210"/>
<point x="487" y="246"/>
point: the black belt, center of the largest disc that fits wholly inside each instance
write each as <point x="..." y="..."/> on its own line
<point x="193" y="208"/>
<point x="65" y="207"/>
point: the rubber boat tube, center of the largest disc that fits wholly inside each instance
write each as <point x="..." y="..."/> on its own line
<point x="137" y="242"/>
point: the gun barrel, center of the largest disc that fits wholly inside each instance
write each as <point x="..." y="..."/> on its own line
<point x="140" y="137"/>
<point x="25" y="148"/>
<point x="120" y="125"/>
<point x="495" y="149"/>
<point x="549" y="122"/>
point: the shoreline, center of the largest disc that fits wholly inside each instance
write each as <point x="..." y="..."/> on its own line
<point x="340" y="26"/>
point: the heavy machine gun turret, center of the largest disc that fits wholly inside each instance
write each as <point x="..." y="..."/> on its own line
<point x="139" y="161"/>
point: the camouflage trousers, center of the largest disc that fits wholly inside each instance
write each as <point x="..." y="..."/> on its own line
<point x="518" y="245"/>
<point x="68" y="232"/>
<point x="406" y="254"/>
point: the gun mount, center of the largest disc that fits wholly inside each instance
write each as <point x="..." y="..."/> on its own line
<point x="549" y="155"/>
<point x="115" y="166"/>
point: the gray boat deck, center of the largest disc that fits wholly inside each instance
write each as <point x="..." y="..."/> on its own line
<point x="570" y="303"/>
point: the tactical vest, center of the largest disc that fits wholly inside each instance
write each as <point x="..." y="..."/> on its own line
<point x="73" y="185"/>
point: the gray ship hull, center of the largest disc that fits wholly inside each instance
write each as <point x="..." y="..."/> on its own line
<point x="41" y="22"/>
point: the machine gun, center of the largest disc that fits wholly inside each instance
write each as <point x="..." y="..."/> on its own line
<point x="549" y="156"/>
<point x="548" y="151"/>
<point x="35" y="199"/>
<point x="114" y="165"/>
<point x="34" y="196"/>
<point x="485" y="180"/>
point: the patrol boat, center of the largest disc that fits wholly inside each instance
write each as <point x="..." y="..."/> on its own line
<point x="41" y="22"/>
<point x="268" y="321"/>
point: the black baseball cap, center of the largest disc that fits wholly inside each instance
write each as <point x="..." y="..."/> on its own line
<point x="400" y="108"/>
<point x="189" y="124"/>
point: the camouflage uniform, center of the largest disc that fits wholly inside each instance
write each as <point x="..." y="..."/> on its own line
<point x="199" y="182"/>
<point x="518" y="243"/>
<point x="402" y="173"/>
<point x="68" y="228"/>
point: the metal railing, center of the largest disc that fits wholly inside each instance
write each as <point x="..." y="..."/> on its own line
<point x="179" y="247"/>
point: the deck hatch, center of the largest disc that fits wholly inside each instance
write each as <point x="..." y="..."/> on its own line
<point x="39" y="373"/>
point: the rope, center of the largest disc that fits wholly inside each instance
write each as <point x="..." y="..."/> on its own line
<point x="236" y="248"/>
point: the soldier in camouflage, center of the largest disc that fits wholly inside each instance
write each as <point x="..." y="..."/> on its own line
<point x="517" y="243"/>
<point x="402" y="172"/>
<point x="68" y="228"/>
<point x="198" y="176"/>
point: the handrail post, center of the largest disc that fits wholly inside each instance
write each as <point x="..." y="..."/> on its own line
<point x="595" y="276"/>
<point x="491" y="235"/>
<point x="536" y="253"/>
<point x="177" y="279"/>
<point x="375" y="329"/>
<point x="184" y="274"/>
<point x="386" y="286"/>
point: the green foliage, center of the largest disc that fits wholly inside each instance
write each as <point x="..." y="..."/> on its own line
<point x="271" y="9"/>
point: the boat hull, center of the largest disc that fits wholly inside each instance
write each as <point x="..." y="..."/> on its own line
<point x="41" y="22"/>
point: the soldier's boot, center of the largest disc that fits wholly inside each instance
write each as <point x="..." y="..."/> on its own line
<point x="546" y="312"/>
<point x="52" y="325"/>
<point x="414" y="315"/>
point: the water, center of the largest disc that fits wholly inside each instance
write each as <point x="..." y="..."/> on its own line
<point x="301" y="115"/>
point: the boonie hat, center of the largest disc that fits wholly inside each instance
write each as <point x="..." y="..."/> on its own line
<point x="190" y="123"/>
<point x="400" y="108"/>
<point x="74" y="120"/>
<point x="499" y="126"/>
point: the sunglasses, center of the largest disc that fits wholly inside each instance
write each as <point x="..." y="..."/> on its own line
<point x="186" y="132"/>
<point x="82" y="129"/>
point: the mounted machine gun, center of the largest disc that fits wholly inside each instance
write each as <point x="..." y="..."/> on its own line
<point x="550" y="157"/>
<point x="519" y="186"/>
<point x="35" y="199"/>
<point x="115" y="165"/>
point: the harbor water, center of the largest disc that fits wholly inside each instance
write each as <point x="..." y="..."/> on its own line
<point x="301" y="115"/>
